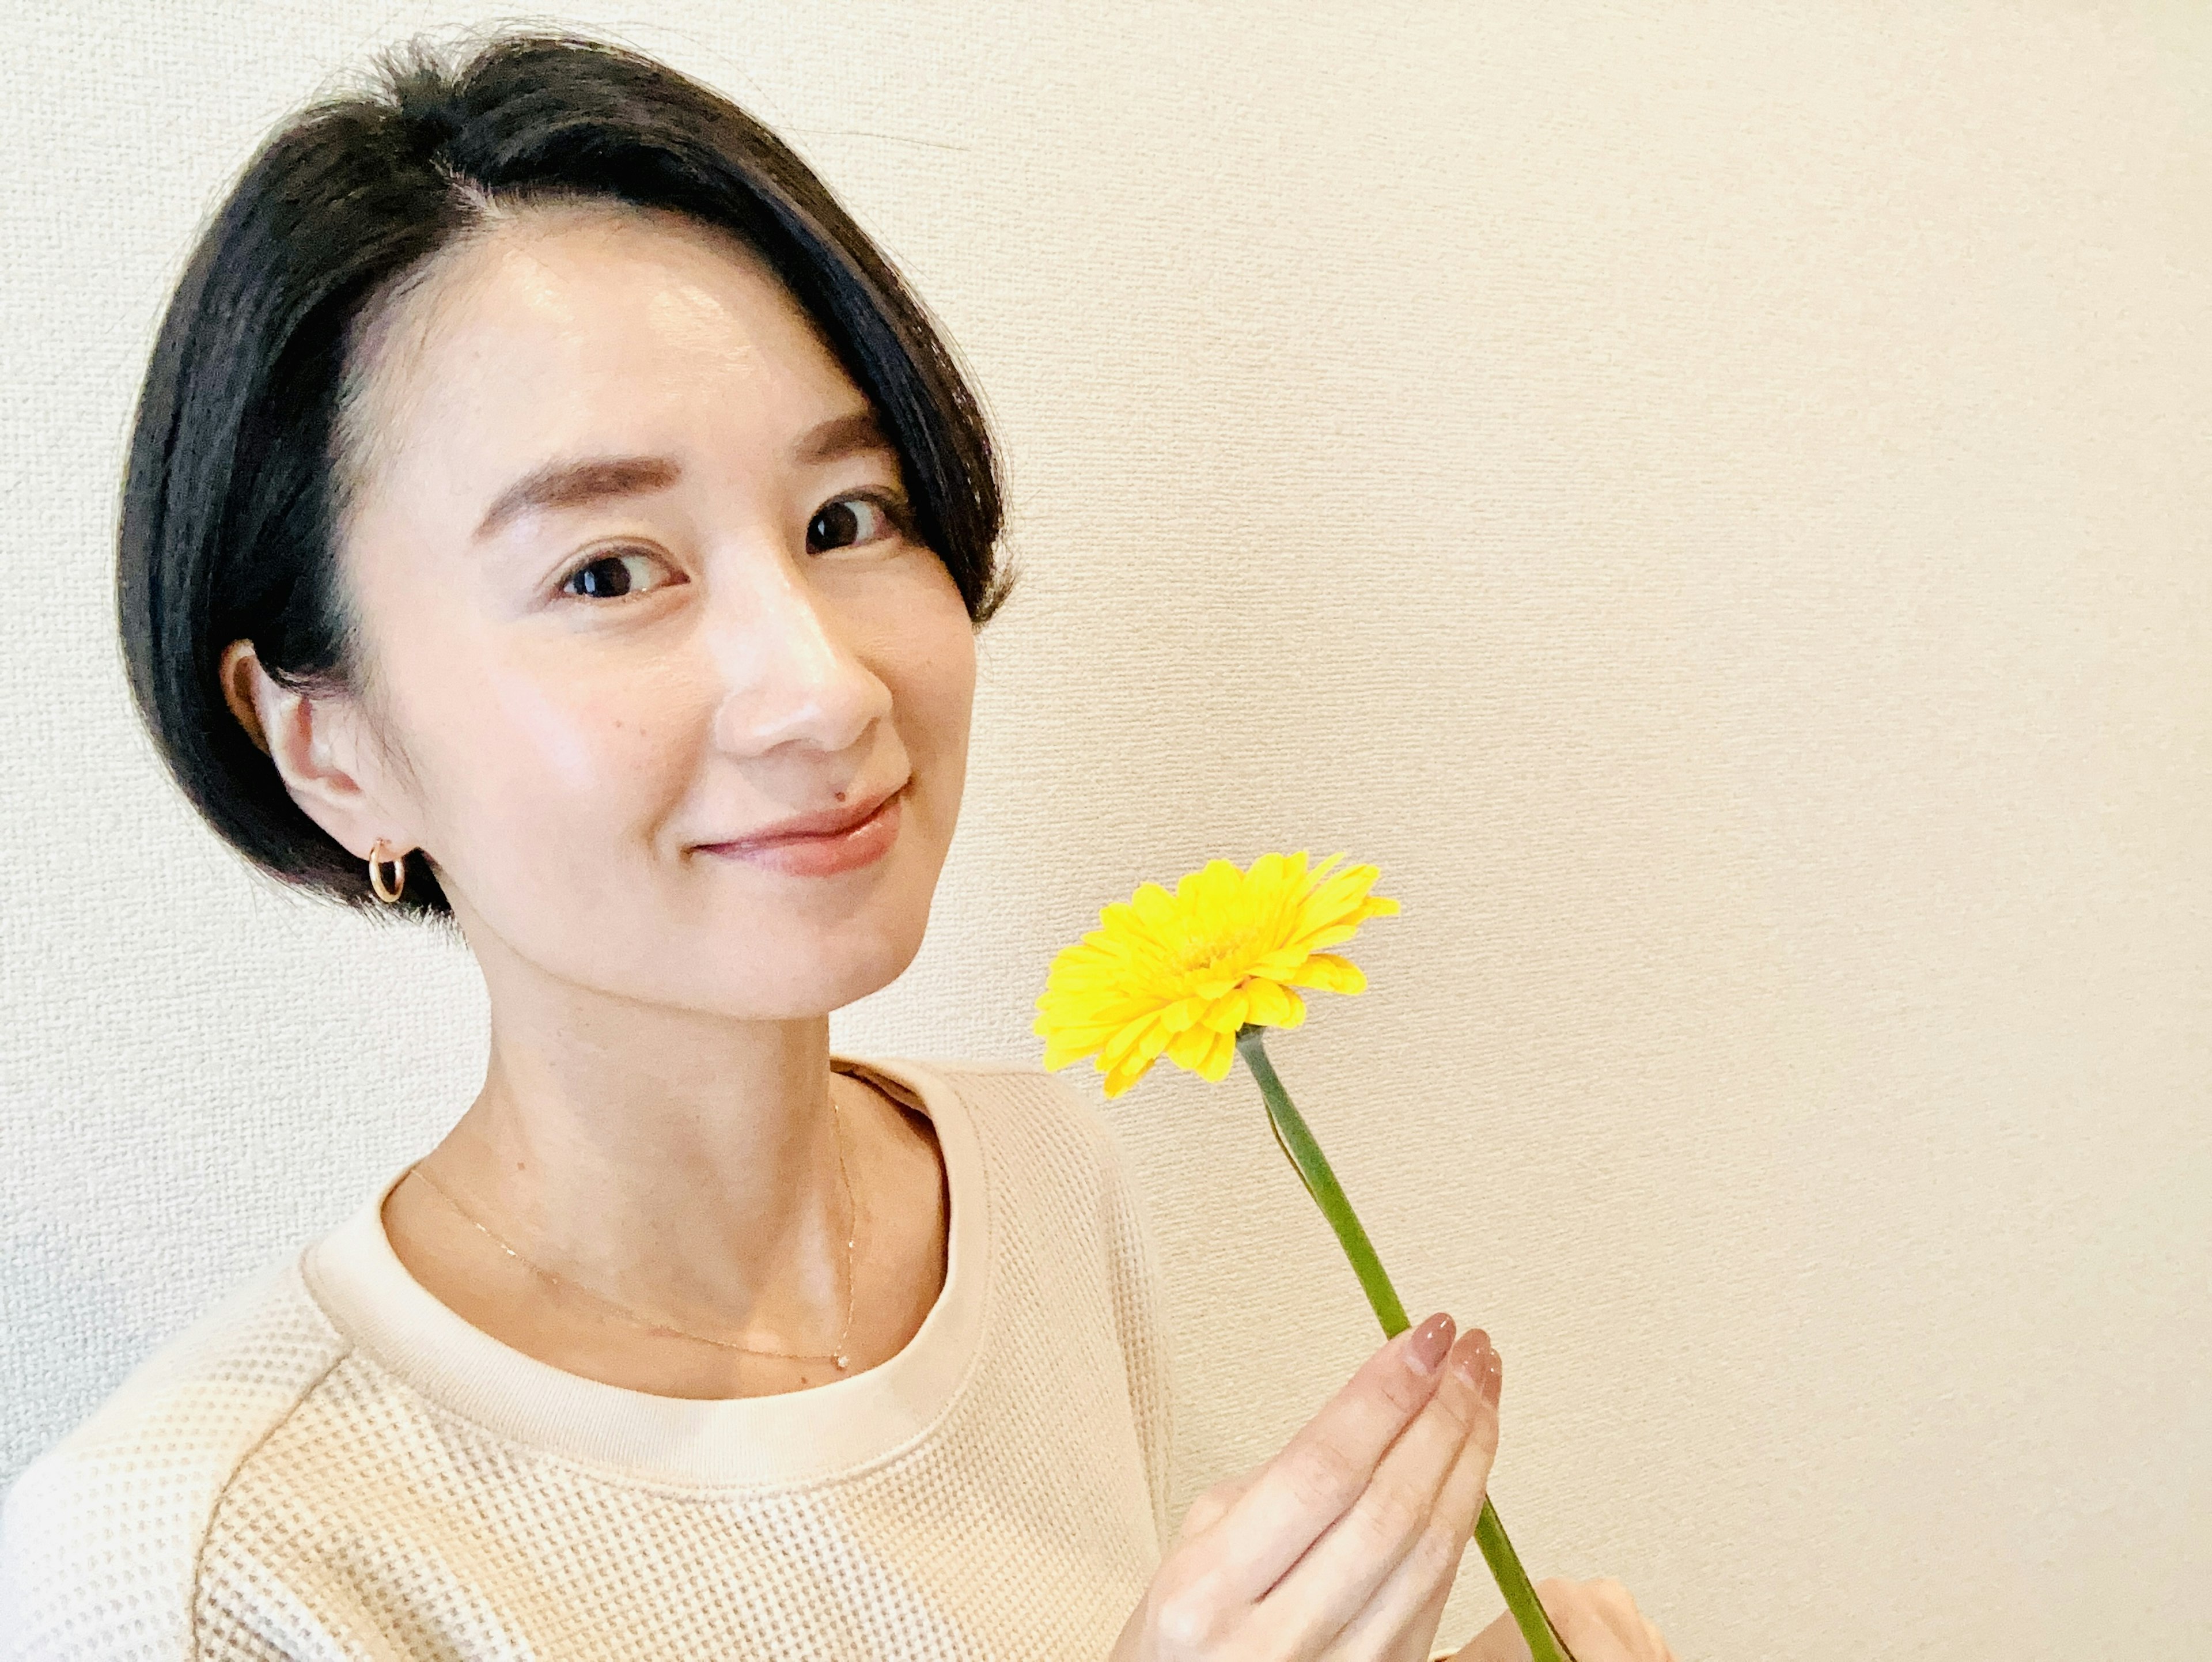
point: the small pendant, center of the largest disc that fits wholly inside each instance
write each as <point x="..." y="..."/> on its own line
<point x="841" y="1360"/>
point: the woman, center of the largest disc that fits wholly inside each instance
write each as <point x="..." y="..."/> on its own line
<point x="549" y="514"/>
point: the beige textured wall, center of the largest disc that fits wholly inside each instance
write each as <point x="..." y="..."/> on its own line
<point x="1710" y="497"/>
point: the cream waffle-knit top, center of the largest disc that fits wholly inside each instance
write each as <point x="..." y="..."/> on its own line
<point x="333" y="1464"/>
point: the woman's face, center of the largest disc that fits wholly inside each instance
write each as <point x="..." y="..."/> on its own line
<point x="634" y="579"/>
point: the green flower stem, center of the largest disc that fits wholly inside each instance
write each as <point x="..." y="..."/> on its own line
<point x="1298" y="1146"/>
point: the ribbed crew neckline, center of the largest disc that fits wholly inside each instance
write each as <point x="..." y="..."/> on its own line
<point x="793" y="1437"/>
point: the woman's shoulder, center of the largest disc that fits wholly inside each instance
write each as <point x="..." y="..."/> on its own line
<point x="1059" y="1140"/>
<point x="1020" y="1107"/>
<point x="100" y="1534"/>
<point x="1083" y="1195"/>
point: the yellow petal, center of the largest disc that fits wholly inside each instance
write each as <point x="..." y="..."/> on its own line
<point x="1122" y="1043"/>
<point x="1154" y="906"/>
<point x="1057" y="1055"/>
<point x="1154" y="1041"/>
<point x="1216" y="1066"/>
<point x="1190" y="1047"/>
<point x="1122" y="1078"/>
<point x="1227" y="1014"/>
<point x="1269" y="1003"/>
<point x="1179" y="973"/>
<point x="1184" y="1013"/>
<point x="1328" y="973"/>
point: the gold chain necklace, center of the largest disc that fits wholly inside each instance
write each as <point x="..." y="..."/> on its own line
<point x="840" y="1355"/>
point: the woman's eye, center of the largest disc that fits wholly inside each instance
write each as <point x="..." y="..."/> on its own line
<point x="849" y="522"/>
<point x="610" y="576"/>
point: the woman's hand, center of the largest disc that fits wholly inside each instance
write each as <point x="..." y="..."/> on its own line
<point x="1341" y="1547"/>
<point x="1596" y="1620"/>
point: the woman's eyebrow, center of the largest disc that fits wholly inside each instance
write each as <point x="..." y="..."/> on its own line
<point x="573" y="483"/>
<point x="841" y="435"/>
<point x="593" y="478"/>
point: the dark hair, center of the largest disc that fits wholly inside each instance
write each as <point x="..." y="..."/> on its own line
<point x="230" y="503"/>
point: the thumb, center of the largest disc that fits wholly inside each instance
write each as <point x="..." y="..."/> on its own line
<point x="1501" y="1641"/>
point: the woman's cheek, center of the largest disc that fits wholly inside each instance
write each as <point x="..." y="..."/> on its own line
<point x="937" y="676"/>
<point x="944" y="690"/>
<point x="560" y="706"/>
<point x="576" y="739"/>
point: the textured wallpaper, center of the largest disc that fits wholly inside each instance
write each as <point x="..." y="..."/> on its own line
<point x="1711" y="498"/>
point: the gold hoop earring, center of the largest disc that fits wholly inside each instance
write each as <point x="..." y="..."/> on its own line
<point x="376" y="863"/>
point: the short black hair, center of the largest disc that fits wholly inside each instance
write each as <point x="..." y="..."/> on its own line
<point x="229" y="503"/>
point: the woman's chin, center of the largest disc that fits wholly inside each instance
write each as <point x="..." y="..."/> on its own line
<point x="821" y="973"/>
<point x="731" y="949"/>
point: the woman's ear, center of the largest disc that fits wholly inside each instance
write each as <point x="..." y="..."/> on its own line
<point x="240" y="673"/>
<point x="316" y="744"/>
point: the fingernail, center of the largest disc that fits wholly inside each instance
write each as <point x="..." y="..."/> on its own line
<point x="1493" y="1372"/>
<point x="1467" y="1355"/>
<point x="1425" y="1351"/>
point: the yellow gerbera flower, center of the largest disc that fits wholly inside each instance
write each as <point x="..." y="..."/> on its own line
<point x="1178" y="975"/>
<point x="1195" y="975"/>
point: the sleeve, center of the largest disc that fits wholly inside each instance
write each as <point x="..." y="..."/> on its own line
<point x="104" y="1558"/>
<point x="101" y="1536"/>
<point x="96" y="1559"/>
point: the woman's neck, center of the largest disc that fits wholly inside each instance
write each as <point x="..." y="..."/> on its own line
<point x="688" y="1165"/>
<point x="689" y="1169"/>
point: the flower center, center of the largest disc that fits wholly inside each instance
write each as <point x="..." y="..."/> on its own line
<point x="1211" y="954"/>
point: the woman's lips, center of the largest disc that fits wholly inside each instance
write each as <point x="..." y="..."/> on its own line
<point x="823" y="856"/>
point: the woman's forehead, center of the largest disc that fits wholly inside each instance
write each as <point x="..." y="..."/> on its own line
<point x="570" y="327"/>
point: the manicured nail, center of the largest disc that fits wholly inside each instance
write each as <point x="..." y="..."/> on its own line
<point x="1469" y="1356"/>
<point x="1431" y="1340"/>
<point x="1493" y="1372"/>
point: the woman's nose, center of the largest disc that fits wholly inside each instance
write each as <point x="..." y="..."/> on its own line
<point x="786" y="667"/>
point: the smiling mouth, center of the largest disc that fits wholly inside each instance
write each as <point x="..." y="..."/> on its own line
<point x="858" y="841"/>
